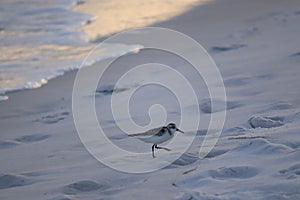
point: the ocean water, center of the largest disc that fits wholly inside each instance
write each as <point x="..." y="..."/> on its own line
<point x="40" y="40"/>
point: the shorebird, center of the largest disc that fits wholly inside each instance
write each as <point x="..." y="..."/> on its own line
<point x="158" y="135"/>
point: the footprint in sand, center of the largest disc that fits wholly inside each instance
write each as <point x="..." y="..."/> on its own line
<point x="8" y="144"/>
<point x="274" y="121"/>
<point x="264" y="122"/>
<point x="295" y="54"/>
<point x="53" y="118"/>
<point x="13" y="180"/>
<point x="221" y="49"/>
<point x="109" y="89"/>
<point x="239" y="172"/>
<point x="83" y="186"/>
<point x="32" y="138"/>
<point x="78" y="2"/>
<point x="292" y="172"/>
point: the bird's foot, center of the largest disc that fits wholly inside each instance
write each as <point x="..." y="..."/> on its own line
<point x="153" y="155"/>
<point x="162" y="148"/>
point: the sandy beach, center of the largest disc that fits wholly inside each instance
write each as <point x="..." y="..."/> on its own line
<point x="255" y="45"/>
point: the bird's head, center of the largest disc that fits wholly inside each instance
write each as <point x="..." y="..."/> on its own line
<point x="172" y="127"/>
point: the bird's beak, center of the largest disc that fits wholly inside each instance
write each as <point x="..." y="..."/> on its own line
<point x="179" y="130"/>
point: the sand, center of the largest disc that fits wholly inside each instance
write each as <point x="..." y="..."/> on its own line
<point x="114" y="16"/>
<point x="256" y="47"/>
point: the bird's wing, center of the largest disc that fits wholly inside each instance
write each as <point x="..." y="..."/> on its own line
<point x="148" y="133"/>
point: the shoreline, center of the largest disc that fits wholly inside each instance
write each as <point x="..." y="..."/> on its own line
<point x="96" y="35"/>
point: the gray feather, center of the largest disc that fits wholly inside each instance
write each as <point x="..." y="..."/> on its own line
<point x="148" y="133"/>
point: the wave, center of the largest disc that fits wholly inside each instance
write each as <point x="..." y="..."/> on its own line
<point x="39" y="77"/>
<point x="46" y="41"/>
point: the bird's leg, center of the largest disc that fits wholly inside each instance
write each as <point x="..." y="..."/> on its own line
<point x="153" y="150"/>
<point x="162" y="148"/>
